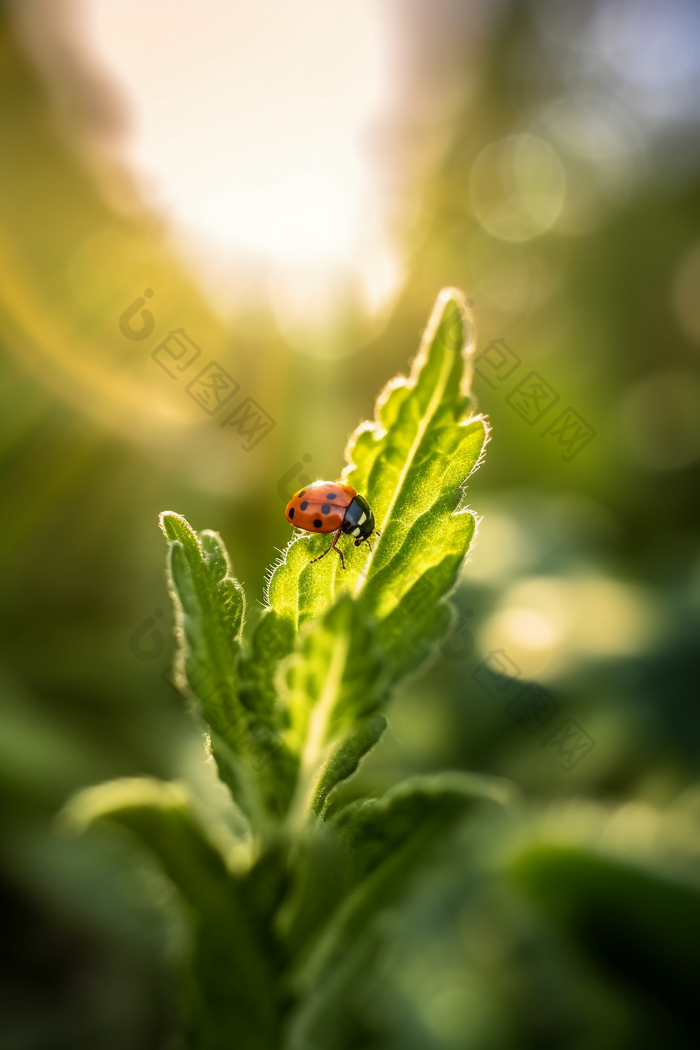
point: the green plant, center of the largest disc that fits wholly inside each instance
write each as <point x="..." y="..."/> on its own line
<point x="282" y="922"/>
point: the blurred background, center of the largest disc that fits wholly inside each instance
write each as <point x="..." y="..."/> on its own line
<point x="286" y="187"/>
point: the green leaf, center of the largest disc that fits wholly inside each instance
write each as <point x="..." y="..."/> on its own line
<point x="233" y="978"/>
<point x="210" y="612"/>
<point x="334" y="687"/>
<point x="211" y="606"/>
<point x="272" y="641"/>
<point x="412" y="464"/>
<point x="384" y="842"/>
<point x="343" y="759"/>
<point x="411" y="816"/>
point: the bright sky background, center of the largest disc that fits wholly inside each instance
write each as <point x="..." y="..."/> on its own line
<point x="249" y="117"/>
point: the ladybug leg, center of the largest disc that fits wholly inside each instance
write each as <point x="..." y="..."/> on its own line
<point x="376" y="533"/>
<point x="320" y="555"/>
<point x="335" y="547"/>
<point x="332" y="546"/>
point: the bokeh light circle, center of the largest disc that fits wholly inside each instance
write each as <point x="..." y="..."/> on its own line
<point x="517" y="187"/>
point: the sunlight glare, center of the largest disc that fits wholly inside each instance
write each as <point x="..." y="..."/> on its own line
<point x="308" y="215"/>
<point x="249" y="124"/>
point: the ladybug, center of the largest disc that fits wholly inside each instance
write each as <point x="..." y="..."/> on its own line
<point x="329" y="506"/>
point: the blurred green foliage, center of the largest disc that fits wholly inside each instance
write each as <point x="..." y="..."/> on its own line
<point x="555" y="927"/>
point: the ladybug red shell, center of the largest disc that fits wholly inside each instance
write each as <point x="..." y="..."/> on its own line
<point x="320" y="507"/>
<point x="330" y="506"/>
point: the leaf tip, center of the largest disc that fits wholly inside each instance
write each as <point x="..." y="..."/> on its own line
<point x="105" y="800"/>
<point x="466" y="339"/>
<point x="176" y="527"/>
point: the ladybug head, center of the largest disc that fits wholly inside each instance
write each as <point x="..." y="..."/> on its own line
<point x="359" y="520"/>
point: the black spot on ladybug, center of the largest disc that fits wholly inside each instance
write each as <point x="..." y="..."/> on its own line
<point x="326" y="509"/>
<point x="291" y="513"/>
<point x="317" y="523"/>
<point x="304" y="505"/>
<point x="300" y="494"/>
<point x="330" y="495"/>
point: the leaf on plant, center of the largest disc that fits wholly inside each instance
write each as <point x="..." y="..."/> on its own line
<point x="233" y="979"/>
<point x="410" y="816"/>
<point x="211" y="608"/>
<point x="412" y="464"/>
<point x="344" y="758"/>
<point x="334" y="686"/>
<point x="210" y="611"/>
<point x="385" y="842"/>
